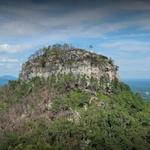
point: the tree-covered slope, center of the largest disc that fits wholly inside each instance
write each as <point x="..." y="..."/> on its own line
<point x="69" y="112"/>
<point x="45" y="114"/>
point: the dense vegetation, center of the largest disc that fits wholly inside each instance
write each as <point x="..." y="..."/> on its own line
<point x="72" y="112"/>
<point x="57" y="113"/>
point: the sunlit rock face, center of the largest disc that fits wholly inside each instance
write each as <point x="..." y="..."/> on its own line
<point x="78" y="62"/>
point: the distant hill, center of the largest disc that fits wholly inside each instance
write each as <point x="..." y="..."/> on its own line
<point x="5" y="79"/>
<point x="141" y="86"/>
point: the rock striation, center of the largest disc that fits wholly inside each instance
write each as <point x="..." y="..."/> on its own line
<point x="59" y="60"/>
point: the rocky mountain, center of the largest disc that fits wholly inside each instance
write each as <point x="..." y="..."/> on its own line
<point x="64" y="61"/>
<point x="71" y="99"/>
<point x="58" y="60"/>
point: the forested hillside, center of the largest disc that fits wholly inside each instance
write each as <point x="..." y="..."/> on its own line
<point x="72" y="112"/>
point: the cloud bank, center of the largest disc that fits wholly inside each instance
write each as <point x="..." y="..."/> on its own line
<point x="119" y="29"/>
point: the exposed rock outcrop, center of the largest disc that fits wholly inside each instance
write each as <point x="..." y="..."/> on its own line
<point x="54" y="61"/>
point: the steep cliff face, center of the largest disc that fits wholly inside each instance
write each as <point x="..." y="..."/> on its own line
<point x="54" y="61"/>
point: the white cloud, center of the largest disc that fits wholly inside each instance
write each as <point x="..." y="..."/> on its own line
<point x="42" y="20"/>
<point x="9" y="69"/>
<point x="127" y="46"/>
<point x="39" y="24"/>
<point x="132" y="57"/>
<point x="134" y="68"/>
<point x="9" y="65"/>
<point x="8" y="48"/>
<point x="8" y="60"/>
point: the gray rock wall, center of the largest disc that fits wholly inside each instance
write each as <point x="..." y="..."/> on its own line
<point x="76" y="62"/>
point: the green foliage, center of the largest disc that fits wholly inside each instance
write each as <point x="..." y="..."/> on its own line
<point x="129" y="101"/>
<point x="115" y="121"/>
<point x="73" y="100"/>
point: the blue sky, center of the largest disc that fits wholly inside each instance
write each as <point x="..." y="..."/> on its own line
<point x="119" y="29"/>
